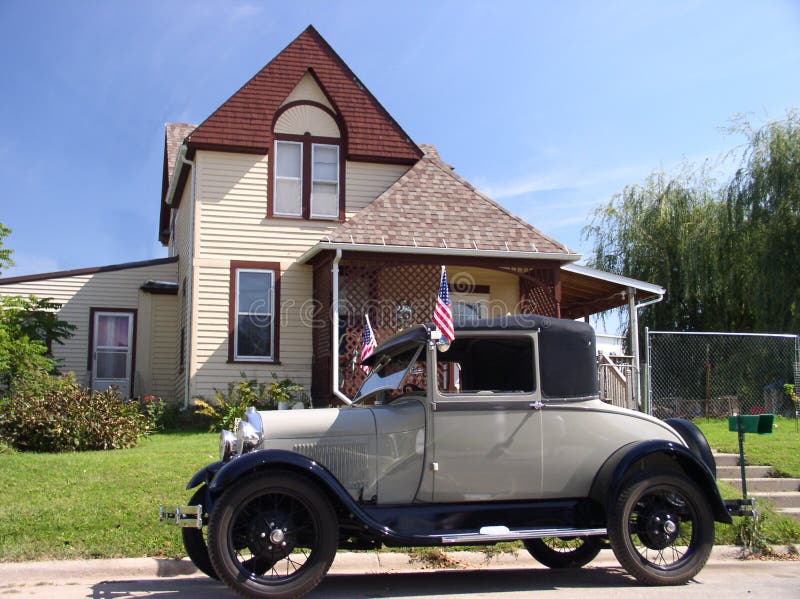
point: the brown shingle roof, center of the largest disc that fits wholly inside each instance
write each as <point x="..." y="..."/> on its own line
<point x="431" y="206"/>
<point x="244" y="121"/>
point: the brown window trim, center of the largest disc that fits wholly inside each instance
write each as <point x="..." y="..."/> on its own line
<point x="307" y="140"/>
<point x="92" y="311"/>
<point x="276" y="329"/>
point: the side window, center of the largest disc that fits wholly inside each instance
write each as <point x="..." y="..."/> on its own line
<point x="324" y="181"/>
<point x="488" y="364"/>
<point x="288" y="178"/>
<point x="253" y="323"/>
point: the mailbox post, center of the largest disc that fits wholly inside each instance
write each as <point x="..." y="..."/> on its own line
<point x="761" y="424"/>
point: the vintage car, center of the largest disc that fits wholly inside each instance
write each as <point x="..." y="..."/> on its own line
<point x="498" y="436"/>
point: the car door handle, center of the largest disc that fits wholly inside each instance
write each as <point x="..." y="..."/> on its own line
<point x="536" y="405"/>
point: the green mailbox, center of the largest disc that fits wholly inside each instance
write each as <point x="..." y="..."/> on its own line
<point x="760" y="424"/>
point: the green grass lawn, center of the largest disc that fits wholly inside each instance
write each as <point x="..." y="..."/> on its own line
<point x="781" y="449"/>
<point x="98" y="503"/>
<point x="104" y="503"/>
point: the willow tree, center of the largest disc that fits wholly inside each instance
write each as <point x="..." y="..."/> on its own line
<point x="727" y="255"/>
<point x="763" y="220"/>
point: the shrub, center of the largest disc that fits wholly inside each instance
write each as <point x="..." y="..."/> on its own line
<point x="55" y="414"/>
<point x="153" y="410"/>
<point x="227" y="407"/>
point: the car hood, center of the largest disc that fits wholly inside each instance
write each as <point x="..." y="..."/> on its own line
<point x="317" y="423"/>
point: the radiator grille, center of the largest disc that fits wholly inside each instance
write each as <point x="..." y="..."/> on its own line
<point x="346" y="460"/>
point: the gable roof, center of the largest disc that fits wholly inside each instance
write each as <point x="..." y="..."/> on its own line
<point x="431" y="206"/>
<point x="244" y="121"/>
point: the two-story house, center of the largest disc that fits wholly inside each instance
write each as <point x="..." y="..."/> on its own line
<point x="295" y="209"/>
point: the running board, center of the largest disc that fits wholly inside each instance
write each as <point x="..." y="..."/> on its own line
<point x="503" y="533"/>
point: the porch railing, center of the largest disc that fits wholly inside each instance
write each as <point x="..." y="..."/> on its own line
<point x="616" y="380"/>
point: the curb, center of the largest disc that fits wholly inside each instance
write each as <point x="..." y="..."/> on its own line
<point x="346" y="563"/>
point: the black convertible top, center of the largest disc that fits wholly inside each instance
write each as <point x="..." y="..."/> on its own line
<point x="568" y="359"/>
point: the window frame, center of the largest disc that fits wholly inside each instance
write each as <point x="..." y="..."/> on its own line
<point x="275" y="178"/>
<point x="307" y="142"/>
<point x="236" y="267"/>
<point x="314" y="180"/>
<point x="477" y="400"/>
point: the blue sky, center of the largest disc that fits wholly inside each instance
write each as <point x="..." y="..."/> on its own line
<point x="550" y="107"/>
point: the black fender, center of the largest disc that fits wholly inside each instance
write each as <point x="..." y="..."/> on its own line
<point x="611" y="477"/>
<point x="204" y="475"/>
<point x="279" y="459"/>
<point x="696" y="440"/>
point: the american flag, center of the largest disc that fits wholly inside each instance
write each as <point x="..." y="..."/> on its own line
<point x="368" y="344"/>
<point x="442" y="313"/>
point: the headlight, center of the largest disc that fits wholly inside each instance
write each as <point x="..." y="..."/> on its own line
<point x="248" y="432"/>
<point x="227" y="445"/>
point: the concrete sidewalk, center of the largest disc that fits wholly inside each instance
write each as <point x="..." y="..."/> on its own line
<point x="345" y="563"/>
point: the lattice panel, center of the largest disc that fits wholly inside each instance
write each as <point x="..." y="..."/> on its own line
<point x="537" y="291"/>
<point x="395" y="297"/>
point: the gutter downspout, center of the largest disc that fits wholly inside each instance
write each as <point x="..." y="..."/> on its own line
<point x="633" y="315"/>
<point x="190" y="282"/>
<point x="335" y="326"/>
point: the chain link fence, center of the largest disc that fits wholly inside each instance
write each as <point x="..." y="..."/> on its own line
<point x="714" y="375"/>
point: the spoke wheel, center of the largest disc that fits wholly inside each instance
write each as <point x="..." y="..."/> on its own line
<point x="563" y="552"/>
<point x="194" y="540"/>
<point x="662" y="529"/>
<point x="272" y="536"/>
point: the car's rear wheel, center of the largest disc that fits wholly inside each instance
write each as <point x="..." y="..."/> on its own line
<point x="563" y="552"/>
<point x="661" y="529"/>
<point x="194" y="540"/>
<point x="272" y="536"/>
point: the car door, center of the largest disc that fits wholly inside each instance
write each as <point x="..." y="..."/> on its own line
<point x="486" y="420"/>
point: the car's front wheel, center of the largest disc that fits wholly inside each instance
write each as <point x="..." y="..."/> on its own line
<point x="272" y="536"/>
<point x="562" y="552"/>
<point x="661" y="529"/>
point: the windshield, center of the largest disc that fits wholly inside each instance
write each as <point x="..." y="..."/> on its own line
<point x="390" y="371"/>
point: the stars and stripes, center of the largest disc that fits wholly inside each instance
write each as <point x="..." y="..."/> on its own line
<point x="368" y="343"/>
<point x="442" y="312"/>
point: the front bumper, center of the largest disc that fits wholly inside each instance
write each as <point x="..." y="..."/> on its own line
<point x="740" y="507"/>
<point x="185" y="516"/>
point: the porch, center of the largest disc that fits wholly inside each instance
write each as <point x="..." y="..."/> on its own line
<point x="397" y="286"/>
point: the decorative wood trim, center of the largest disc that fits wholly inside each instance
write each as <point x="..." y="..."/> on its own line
<point x="276" y="329"/>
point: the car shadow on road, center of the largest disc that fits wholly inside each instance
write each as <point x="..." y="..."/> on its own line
<point x="370" y="586"/>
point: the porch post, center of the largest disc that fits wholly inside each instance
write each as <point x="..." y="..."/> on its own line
<point x="557" y="290"/>
<point x="633" y="319"/>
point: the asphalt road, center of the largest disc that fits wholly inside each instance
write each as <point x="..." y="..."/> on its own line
<point x="395" y="577"/>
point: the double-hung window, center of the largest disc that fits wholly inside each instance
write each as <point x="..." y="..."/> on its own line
<point x="253" y="314"/>
<point x="325" y="181"/>
<point x="306" y="182"/>
<point x="288" y="179"/>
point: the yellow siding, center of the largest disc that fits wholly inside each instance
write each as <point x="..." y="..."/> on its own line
<point x="231" y="195"/>
<point x="366" y="181"/>
<point x="164" y="359"/>
<point x="307" y="89"/>
<point x="503" y="287"/>
<point x="115" y="289"/>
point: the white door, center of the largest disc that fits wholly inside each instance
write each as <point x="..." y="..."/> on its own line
<point x="112" y="355"/>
